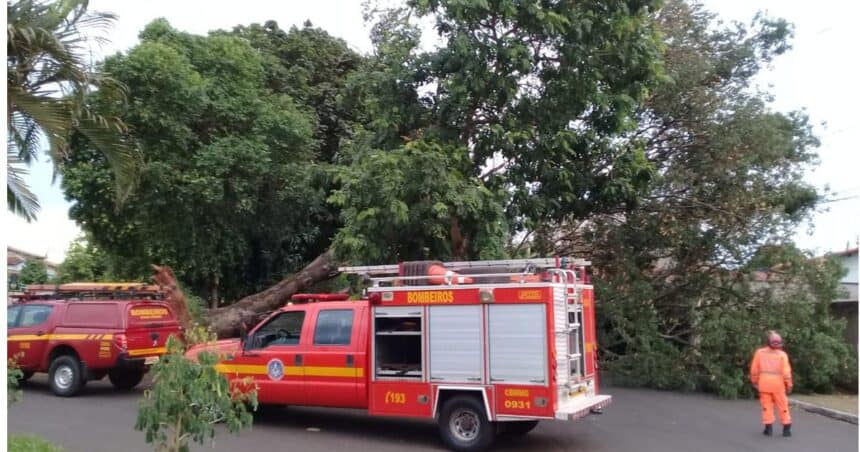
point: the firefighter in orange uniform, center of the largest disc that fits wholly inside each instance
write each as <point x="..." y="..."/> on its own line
<point x="770" y="373"/>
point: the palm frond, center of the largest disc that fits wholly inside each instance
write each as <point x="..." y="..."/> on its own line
<point x="24" y="137"/>
<point x="53" y="115"/>
<point x="108" y="135"/>
<point x="48" y="86"/>
<point x="19" y="199"/>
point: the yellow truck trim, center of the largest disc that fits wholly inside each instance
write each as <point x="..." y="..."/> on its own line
<point x="292" y="371"/>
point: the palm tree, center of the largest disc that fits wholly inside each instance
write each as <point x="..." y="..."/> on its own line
<point x="48" y="87"/>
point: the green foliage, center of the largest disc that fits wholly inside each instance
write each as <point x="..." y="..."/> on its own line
<point x="312" y="67"/>
<point x="538" y="94"/>
<point x="384" y="91"/>
<point x="48" y="80"/>
<point x="188" y="398"/>
<point x="196" y="306"/>
<point x="264" y="147"/>
<point x="680" y="303"/>
<point x="401" y="205"/>
<point x="33" y="272"/>
<point x="627" y="131"/>
<point x="547" y="88"/>
<point x="726" y="324"/>
<point x="795" y="300"/>
<point x="29" y="443"/>
<point x="13" y="379"/>
<point x="84" y="262"/>
<point x="231" y="195"/>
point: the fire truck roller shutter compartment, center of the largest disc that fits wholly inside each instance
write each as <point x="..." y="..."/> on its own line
<point x="456" y="345"/>
<point x="518" y="344"/>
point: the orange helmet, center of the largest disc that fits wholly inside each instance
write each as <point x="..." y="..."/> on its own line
<point x="774" y="340"/>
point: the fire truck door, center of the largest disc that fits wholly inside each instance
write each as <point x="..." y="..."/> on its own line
<point x="13" y="345"/>
<point x="272" y="357"/>
<point x="334" y="367"/>
<point x="29" y="337"/>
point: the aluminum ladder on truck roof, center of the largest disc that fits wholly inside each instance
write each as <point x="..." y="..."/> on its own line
<point x="90" y="291"/>
<point x="539" y="262"/>
<point x="393" y="273"/>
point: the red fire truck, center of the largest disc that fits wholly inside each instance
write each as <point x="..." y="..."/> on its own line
<point x="482" y="347"/>
<point x="83" y="331"/>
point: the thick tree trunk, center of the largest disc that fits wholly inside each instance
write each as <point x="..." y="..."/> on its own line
<point x="227" y="321"/>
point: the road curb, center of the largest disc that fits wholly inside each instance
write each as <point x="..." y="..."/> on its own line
<point x="829" y="412"/>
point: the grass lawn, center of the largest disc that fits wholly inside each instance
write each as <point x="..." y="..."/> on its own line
<point x="28" y="443"/>
<point x="843" y="402"/>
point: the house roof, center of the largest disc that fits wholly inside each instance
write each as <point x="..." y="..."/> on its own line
<point x="15" y="256"/>
<point x="846" y="253"/>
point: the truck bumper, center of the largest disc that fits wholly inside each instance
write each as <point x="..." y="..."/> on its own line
<point x="581" y="406"/>
<point x="126" y="363"/>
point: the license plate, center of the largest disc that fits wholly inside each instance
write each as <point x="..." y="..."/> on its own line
<point x="150" y="360"/>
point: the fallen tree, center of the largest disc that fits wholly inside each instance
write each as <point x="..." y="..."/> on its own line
<point x="228" y="321"/>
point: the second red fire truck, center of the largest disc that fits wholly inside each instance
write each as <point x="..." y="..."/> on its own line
<point x="482" y="347"/>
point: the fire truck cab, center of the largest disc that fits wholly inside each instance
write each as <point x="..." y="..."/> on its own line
<point x="482" y="347"/>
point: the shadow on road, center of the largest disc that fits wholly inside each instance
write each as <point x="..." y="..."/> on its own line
<point x="349" y="423"/>
<point x="39" y="384"/>
<point x="358" y="425"/>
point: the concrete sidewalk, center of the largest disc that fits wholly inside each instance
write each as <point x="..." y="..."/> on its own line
<point x="836" y="406"/>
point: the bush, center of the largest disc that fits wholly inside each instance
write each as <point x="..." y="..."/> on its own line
<point x="13" y="378"/>
<point x="34" y="272"/>
<point x="703" y="335"/>
<point x="189" y="397"/>
<point x="196" y="306"/>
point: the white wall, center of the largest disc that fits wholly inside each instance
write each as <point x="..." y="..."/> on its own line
<point x="850" y="262"/>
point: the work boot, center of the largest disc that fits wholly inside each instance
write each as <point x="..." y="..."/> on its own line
<point x="786" y="430"/>
<point x="768" y="430"/>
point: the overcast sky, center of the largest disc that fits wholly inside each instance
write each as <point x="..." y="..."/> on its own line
<point x="818" y="75"/>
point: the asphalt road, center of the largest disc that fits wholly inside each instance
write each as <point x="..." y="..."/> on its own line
<point x="102" y="420"/>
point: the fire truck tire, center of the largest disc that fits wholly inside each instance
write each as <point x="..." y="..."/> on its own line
<point x="65" y="376"/>
<point x="125" y="380"/>
<point x="464" y="426"/>
<point x="519" y="428"/>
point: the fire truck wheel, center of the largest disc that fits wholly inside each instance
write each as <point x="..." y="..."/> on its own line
<point x="125" y="380"/>
<point x="65" y="376"/>
<point x="464" y="426"/>
<point x="518" y="428"/>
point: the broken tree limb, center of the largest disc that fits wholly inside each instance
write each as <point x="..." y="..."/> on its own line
<point x="227" y="321"/>
<point x="165" y="278"/>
